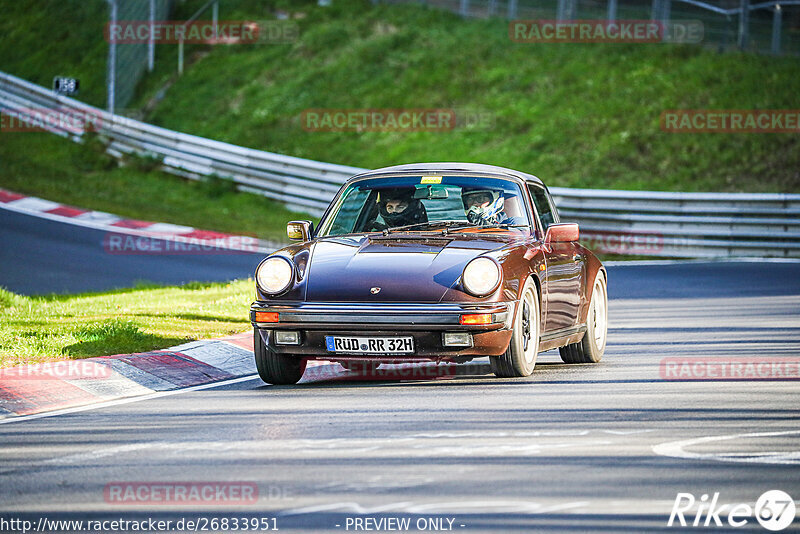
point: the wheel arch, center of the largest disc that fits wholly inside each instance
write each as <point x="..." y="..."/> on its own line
<point x="594" y="268"/>
<point x="538" y="284"/>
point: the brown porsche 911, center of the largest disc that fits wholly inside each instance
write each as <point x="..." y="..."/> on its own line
<point x="439" y="261"/>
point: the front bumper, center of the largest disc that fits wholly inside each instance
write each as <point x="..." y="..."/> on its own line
<point x="424" y="322"/>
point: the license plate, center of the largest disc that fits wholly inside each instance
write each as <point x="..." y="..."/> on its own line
<point x="370" y="345"/>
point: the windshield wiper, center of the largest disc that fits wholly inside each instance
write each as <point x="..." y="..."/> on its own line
<point x="449" y="224"/>
<point x="422" y="225"/>
<point x="479" y="227"/>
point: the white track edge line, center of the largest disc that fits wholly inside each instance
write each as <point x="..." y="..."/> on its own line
<point x="122" y="230"/>
<point x="746" y="259"/>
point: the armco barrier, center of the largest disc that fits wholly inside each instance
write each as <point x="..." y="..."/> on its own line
<point x="645" y="223"/>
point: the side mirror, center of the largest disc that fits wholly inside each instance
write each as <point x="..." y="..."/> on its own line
<point x="562" y="233"/>
<point x="299" y="230"/>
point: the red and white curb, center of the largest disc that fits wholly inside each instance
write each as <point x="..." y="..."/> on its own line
<point x="33" y="390"/>
<point x="54" y="386"/>
<point x="30" y="389"/>
<point x="114" y="224"/>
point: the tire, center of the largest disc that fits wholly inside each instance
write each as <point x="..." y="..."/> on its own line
<point x="274" y="368"/>
<point x="360" y="366"/>
<point x="520" y="357"/>
<point x="591" y="348"/>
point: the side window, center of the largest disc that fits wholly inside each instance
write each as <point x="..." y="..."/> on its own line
<point x="348" y="214"/>
<point x="543" y="206"/>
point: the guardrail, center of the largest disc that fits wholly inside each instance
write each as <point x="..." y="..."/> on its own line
<point x="644" y="223"/>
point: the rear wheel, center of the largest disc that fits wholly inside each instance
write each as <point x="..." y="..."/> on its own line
<point x="274" y="368"/>
<point x="520" y="357"/>
<point x="591" y="348"/>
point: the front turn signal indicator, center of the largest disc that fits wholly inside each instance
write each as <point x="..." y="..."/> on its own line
<point x="476" y="318"/>
<point x="266" y="317"/>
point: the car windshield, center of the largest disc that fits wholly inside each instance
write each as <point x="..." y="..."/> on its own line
<point x="425" y="202"/>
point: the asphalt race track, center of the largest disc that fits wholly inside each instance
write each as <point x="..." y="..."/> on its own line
<point x="39" y="256"/>
<point x="600" y="447"/>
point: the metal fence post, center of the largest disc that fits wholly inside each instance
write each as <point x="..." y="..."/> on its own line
<point x="661" y="14"/>
<point x="744" y="23"/>
<point x="655" y="14"/>
<point x="151" y="44"/>
<point x="512" y="9"/>
<point x="111" y="70"/>
<point x="464" y="8"/>
<point x="492" y="7"/>
<point x="565" y="10"/>
<point x="215" y="19"/>
<point x="612" y="10"/>
<point x="777" y="16"/>
<point x="180" y="56"/>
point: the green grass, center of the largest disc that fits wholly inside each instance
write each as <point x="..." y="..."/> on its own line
<point x="580" y="115"/>
<point x="577" y="115"/>
<point x="48" y="38"/>
<point x="65" y="37"/>
<point x="38" y="329"/>
<point x="45" y="165"/>
<point x="583" y="115"/>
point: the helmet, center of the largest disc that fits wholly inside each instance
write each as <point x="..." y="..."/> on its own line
<point x="412" y="214"/>
<point x="480" y="214"/>
<point x="476" y="195"/>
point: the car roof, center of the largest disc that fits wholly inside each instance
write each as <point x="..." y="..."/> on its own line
<point x="451" y="167"/>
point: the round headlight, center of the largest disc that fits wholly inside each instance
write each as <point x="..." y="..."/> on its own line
<point x="481" y="276"/>
<point x="275" y="274"/>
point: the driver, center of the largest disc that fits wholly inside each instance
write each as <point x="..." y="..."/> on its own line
<point x="398" y="207"/>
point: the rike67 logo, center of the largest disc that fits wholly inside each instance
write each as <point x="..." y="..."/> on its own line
<point x="774" y="510"/>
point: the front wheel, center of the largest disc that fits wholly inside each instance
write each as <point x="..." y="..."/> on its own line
<point x="591" y="348"/>
<point x="274" y="368"/>
<point x="520" y="357"/>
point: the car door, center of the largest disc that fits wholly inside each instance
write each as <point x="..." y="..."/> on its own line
<point x="563" y="268"/>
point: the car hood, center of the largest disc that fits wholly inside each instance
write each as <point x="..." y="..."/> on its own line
<point x="417" y="268"/>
